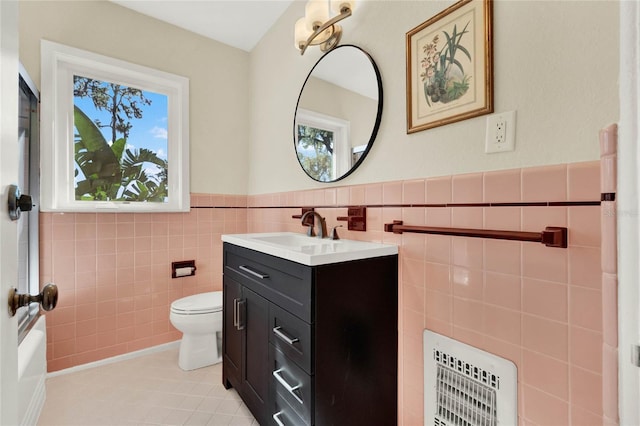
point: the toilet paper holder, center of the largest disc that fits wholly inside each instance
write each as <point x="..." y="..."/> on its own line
<point x="183" y="268"/>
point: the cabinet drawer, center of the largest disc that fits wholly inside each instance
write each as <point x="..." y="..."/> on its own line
<point x="284" y="414"/>
<point x="285" y="283"/>
<point x="291" y="383"/>
<point x="291" y="336"/>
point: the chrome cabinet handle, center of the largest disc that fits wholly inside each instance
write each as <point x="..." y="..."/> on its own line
<point x="276" y="418"/>
<point x="241" y="314"/>
<point x="252" y="272"/>
<point x="287" y="386"/>
<point x="235" y="312"/>
<point x="280" y="334"/>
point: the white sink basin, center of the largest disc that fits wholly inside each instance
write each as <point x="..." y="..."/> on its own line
<point x="309" y="251"/>
<point x="295" y="241"/>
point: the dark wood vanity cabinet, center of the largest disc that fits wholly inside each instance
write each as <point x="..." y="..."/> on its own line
<point x="311" y="345"/>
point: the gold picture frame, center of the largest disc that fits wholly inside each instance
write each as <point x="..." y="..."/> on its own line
<point x="450" y="66"/>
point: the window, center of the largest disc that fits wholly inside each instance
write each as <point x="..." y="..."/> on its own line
<point x="115" y="134"/>
<point x="322" y="145"/>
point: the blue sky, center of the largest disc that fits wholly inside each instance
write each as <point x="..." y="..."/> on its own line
<point x="148" y="132"/>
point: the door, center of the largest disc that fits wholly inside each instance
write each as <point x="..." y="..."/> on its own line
<point x="628" y="199"/>
<point x="8" y="229"/>
<point x="231" y="335"/>
<point x="255" y="371"/>
<point x="246" y="344"/>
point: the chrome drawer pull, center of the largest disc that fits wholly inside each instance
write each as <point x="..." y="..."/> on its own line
<point x="287" y="386"/>
<point x="235" y="312"/>
<point x="276" y="418"/>
<point x="283" y="336"/>
<point x="254" y="273"/>
<point x="242" y="311"/>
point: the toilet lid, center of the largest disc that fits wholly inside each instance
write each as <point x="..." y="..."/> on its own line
<point x="202" y="303"/>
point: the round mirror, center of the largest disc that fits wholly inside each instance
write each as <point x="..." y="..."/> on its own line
<point x="338" y="113"/>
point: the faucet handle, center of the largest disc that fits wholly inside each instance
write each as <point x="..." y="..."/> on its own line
<point x="334" y="233"/>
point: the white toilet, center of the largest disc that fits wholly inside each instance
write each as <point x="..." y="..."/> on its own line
<point x="199" y="318"/>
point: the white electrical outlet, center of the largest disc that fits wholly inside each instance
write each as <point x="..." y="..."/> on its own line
<point x="501" y="132"/>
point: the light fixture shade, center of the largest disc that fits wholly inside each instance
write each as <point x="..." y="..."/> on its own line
<point x="337" y="5"/>
<point x="316" y="12"/>
<point x="301" y="32"/>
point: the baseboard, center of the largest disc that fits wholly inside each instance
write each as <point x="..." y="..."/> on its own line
<point x="36" y="404"/>
<point x="117" y="358"/>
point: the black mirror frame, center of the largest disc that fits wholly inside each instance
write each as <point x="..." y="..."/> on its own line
<point x="376" y="126"/>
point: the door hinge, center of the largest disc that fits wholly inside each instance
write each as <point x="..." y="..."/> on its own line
<point x="635" y="355"/>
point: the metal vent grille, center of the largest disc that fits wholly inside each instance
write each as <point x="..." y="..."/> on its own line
<point x="466" y="368"/>
<point x="466" y="386"/>
<point x="463" y="401"/>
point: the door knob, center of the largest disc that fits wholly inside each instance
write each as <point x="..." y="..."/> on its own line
<point x="48" y="298"/>
<point x="18" y="202"/>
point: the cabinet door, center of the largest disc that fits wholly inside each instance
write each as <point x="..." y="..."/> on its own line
<point x="254" y="321"/>
<point x="231" y="335"/>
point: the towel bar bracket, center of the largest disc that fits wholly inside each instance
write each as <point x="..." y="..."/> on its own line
<point x="356" y="218"/>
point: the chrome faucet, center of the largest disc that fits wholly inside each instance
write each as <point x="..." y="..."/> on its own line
<point x="322" y="224"/>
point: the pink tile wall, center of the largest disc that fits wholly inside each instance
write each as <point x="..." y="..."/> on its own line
<point x="114" y="274"/>
<point x="540" y="307"/>
<point x="608" y="182"/>
<point x="546" y="309"/>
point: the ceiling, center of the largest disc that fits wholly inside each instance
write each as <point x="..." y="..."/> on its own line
<point x="241" y="24"/>
<point x="238" y="23"/>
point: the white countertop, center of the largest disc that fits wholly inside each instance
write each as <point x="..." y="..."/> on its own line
<point x="310" y="251"/>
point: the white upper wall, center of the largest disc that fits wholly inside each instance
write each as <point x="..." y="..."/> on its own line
<point x="218" y="76"/>
<point x="555" y="63"/>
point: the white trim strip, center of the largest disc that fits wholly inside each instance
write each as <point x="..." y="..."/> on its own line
<point x="117" y="358"/>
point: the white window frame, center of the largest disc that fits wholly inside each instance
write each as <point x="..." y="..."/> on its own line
<point x="59" y="64"/>
<point x="339" y="127"/>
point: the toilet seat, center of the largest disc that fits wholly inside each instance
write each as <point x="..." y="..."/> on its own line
<point x="203" y="303"/>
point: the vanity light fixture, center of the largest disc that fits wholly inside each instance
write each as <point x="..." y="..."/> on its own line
<point x="316" y="28"/>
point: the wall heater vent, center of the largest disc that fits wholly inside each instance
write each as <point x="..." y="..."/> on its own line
<point x="465" y="386"/>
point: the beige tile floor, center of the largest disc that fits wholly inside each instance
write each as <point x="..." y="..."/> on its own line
<point x="149" y="390"/>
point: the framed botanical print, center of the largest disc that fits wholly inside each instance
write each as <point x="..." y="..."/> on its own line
<point x="449" y="66"/>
